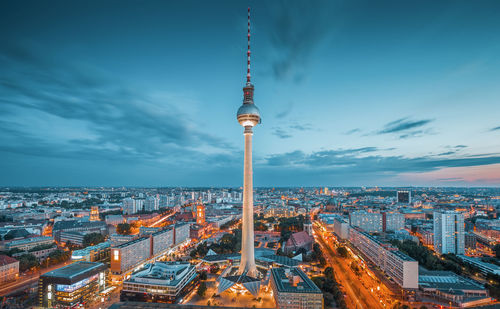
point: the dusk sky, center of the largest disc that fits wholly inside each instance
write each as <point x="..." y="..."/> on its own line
<point x="351" y="93"/>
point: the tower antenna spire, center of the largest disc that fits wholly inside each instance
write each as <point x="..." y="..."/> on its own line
<point x="248" y="50"/>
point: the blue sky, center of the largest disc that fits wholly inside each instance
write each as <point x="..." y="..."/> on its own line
<point x="388" y="93"/>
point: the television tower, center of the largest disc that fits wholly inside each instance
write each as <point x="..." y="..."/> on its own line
<point x="248" y="116"/>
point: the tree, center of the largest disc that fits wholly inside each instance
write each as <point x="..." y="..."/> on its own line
<point x="27" y="261"/>
<point x="203" y="275"/>
<point x="342" y="251"/>
<point x="59" y="256"/>
<point x="92" y="239"/>
<point x="123" y="229"/>
<point x="202" y="289"/>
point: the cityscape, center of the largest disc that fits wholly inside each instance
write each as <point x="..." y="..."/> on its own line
<point x="133" y="175"/>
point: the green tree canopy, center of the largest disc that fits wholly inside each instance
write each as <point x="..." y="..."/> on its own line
<point x="93" y="239"/>
<point x="124" y="229"/>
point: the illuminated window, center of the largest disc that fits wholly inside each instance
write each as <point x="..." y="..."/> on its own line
<point x="116" y="253"/>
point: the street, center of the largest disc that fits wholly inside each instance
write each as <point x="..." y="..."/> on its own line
<point x="359" y="293"/>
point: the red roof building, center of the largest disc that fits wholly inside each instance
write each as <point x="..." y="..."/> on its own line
<point x="297" y="241"/>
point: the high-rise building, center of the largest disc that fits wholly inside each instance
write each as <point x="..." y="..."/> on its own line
<point x="404" y="197"/>
<point x="393" y="221"/>
<point x="449" y="232"/>
<point x="152" y="203"/>
<point x="129" y="206"/>
<point x="368" y="221"/>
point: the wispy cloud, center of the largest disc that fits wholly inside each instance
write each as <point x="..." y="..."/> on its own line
<point x="287" y="131"/>
<point x="281" y="133"/>
<point x="356" y="130"/>
<point x="285" y="112"/>
<point x="495" y="128"/>
<point x="403" y="124"/>
<point x="59" y="109"/>
<point x="366" y="160"/>
<point x="294" y="42"/>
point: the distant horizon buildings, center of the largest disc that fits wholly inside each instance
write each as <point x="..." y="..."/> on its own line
<point x="449" y="234"/>
<point x="404" y="197"/>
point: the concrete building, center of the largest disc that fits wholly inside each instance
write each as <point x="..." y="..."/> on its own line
<point x="341" y="228"/>
<point x="9" y="268"/>
<point x="368" y="221"/>
<point x="485" y="268"/>
<point x="114" y="219"/>
<point x="129" y="206"/>
<point x="404" y="197"/>
<point x="127" y="256"/>
<point x="95" y="253"/>
<point x="152" y="203"/>
<point x="71" y="285"/>
<point x="162" y="241"/>
<point x="181" y="233"/>
<point x="248" y="116"/>
<point x="78" y="226"/>
<point x="28" y="243"/>
<point x="452" y="289"/>
<point x="393" y="221"/>
<point x="400" y="267"/>
<point x="160" y="282"/>
<point x="292" y="289"/>
<point x="449" y="232"/>
<point x="73" y="237"/>
<point x="470" y="241"/>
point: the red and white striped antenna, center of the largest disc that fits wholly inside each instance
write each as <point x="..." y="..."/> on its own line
<point x="248" y="51"/>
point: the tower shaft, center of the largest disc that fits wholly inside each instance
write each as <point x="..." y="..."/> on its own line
<point x="247" y="242"/>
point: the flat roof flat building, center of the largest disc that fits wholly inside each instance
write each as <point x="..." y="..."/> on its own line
<point x="160" y="281"/>
<point x="400" y="267"/>
<point x="71" y="285"/>
<point x="292" y="289"/>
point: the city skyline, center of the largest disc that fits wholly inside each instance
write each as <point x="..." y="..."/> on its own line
<point x="388" y="94"/>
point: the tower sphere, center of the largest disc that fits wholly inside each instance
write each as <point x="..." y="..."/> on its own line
<point x="248" y="115"/>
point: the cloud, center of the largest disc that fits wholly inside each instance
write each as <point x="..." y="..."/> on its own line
<point x="287" y="132"/>
<point x="495" y="129"/>
<point x="281" y="133"/>
<point x="403" y="124"/>
<point x="296" y="32"/>
<point x="285" y="112"/>
<point x="60" y="109"/>
<point x="367" y="161"/>
<point x="406" y="128"/>
<point x="356" y="130"/>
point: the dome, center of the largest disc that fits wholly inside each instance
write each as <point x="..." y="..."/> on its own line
<point x="250" y="109"/>
<point x="248" y="115"/>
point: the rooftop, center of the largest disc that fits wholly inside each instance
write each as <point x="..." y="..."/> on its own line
<point x="162" y="273"/>
<point x="6" y="260"/>
<point x="75" y="272"/>
<point x="86" y="251"/>
<point x="293" y="280"/>
<point x="129" y="243"/>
